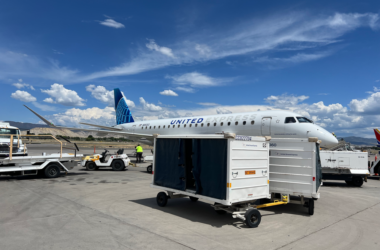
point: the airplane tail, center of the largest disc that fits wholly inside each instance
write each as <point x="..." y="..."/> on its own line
<point x="123" y="114"/>
<point x="377" y="134"/>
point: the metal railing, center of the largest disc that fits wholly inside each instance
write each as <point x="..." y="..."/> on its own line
<point x="18" y="142"/>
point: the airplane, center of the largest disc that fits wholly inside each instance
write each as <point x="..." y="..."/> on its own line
<point x="274" y="123"/>
<point x="377" y="134"/>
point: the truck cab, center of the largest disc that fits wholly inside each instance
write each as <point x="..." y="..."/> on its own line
<point x="18" y="147"/>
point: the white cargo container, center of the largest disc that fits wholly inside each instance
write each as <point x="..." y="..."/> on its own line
<point x="349" y="166"/>
<point x="295" y="170"/>
<point x="232" y="172"/>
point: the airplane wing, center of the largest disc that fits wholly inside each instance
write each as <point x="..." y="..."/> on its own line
<point x="100" y="132"/>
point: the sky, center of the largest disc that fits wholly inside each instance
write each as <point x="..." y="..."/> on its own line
<point x="320" y="59"/>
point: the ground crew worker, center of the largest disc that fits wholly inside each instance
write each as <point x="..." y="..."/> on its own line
<point x="139" y="152"/>
<point x="376" y="157"/>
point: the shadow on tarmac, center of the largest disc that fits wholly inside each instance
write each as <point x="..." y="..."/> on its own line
<point x="338" y="184"/>
<point x="202" y="212"/>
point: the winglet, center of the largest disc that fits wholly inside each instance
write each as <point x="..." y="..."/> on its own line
<point x="42" y="118"/>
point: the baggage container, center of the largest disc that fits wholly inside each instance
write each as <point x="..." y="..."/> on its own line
<point x="295" y="170"/>
<point x="349" y="166"/>
<point x="230" y="171"/>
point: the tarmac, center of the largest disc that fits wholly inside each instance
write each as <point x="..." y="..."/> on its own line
<point x="106" y="209"/>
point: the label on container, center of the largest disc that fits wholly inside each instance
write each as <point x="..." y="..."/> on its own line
<point x="250" y="172"/>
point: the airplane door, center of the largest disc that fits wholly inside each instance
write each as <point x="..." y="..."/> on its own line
<point x="266" y="125"/>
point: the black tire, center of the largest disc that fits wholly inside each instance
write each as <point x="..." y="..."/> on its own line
<point x="52" y="171"/>
<point x="162" y="199"/>
<point x="149" y="169"/>
<point x="118" y="165"/>
<point x="349" y="183"/>
<point x="193" y="199"/>
<point x="252" y="218"/>
<point x="357" y="181"/>
<point x="91" y="166"/>
<point x="220" y="212"/>
<point x="311" y="207"/>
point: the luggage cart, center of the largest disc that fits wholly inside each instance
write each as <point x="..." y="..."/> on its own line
<point x="230" y="171"/>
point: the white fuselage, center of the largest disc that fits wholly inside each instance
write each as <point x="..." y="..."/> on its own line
<point x="260" y="123"/>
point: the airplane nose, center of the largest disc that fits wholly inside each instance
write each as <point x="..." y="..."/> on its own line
<point x="328" y="140"/>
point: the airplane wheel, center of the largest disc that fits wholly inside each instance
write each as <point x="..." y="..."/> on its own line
<point x="91" y="166"/>
<point x="118" y="165"/>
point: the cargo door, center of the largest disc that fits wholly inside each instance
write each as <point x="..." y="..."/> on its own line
<point x="343" y="162"/>
<point x="266" y="126"/>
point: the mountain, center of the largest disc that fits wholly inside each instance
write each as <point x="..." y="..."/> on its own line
<point x="360" y="141"/>
<point x="26" y="125"/>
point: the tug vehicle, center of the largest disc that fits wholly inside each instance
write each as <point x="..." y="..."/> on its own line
<point x="118" y="161"/>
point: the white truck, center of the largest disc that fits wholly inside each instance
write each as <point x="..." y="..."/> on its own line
<point x="352" y="167"/>
<point x="18" y="149"/>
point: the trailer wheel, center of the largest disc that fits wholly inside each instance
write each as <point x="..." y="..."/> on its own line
<point x="52" y="171"/>
<point x="193" y="199"/>
<point x="162" y="199"/>
<point x="311" y="206"/>
<point x="90" y="166"/>
<point x="149" y="169"/>
<point x="118" y="165"/>
<point x="252" y="218"/>
<point x="349" y="183"/>
<point x="357" y="181"/>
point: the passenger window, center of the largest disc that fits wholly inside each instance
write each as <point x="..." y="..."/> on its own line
<point x="173" y="126"/>
<point x="190" y="125"/>
<point x="202" y="125"/>
<point x="290" y="120"/>
<point x="236" y="123"/>
<point x="163" y="126"/>
<point x="208" y="124"/>
<point x="154" y="127"/>
<point x="244" y="122"/>
<point x="252" y="122"/>
<point x="196" y="125"/>
<point x="150" y="127"/>
<point x="221" y="124"/>
<point x="215" y="124"/>
<point x="229" y="123"/>
<point x="184" y="126"/>
<point x="179" y="125"/>
<point x="159" y="126"/>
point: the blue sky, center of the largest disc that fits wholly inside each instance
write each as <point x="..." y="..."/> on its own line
<point x="177" y="58"/>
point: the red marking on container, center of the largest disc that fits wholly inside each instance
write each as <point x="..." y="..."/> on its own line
<point x="313" y="178"/>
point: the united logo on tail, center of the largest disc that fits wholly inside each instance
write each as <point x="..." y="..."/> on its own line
<point x="123" y="114"/>
<point x="377" y="134"/>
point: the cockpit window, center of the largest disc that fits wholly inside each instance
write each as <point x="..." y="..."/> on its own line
<point x="290" y="120"/>
<point x="304" y="120"/>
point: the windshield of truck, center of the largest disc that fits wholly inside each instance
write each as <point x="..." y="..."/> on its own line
<point x="304" y="120"/>
<point x="8" y="131"/>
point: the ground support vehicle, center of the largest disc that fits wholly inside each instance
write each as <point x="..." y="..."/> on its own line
<point x="8" y="133"/>
<point x="295" y="171"/>
<point x="230" y="171"/>
<point x="50" y="166"/>
<point x="374" y="168"/>
<point x="345" y="165"/>
<point x="118" y="161"/>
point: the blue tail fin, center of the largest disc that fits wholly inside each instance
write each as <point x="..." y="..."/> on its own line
<point x="123" y="114"/>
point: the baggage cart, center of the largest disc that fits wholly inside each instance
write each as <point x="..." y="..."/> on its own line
<point x="295" y="171"/>
<point x="227" y="170"/>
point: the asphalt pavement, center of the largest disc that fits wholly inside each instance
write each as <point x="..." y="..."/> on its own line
<point x="105" y="209"/>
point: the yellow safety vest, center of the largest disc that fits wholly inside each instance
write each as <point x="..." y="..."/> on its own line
<point x="139" y="149"/>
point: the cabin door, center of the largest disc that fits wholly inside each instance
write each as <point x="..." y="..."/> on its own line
<point x="266" y="126"/>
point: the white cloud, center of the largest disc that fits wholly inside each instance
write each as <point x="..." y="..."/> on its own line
<point x="21" y="85"/>
<point x="203" y="49"/>
<point x="152" y="45"/>
<point x="285" y="100"/>
<point x="370" y="105"/>
<point x="195" y="79"/>
<point x="106" y="96"/>
<point x="23" y="96"/>
<point x="112" y="23"/>
<point x="168" y="93"/>
<point x="149" y="106"/>
<point x="49" y="100"/>
<point x="376" y="89"/>
<point x="44" y="107"/>
<point x="185" y="89"/>
<point x="64" y="96"/>
<point x="220" y="111"/>
<point x="298" y="58"/>
<point x="95" y="115"/>
<point x="208" y="104"/>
